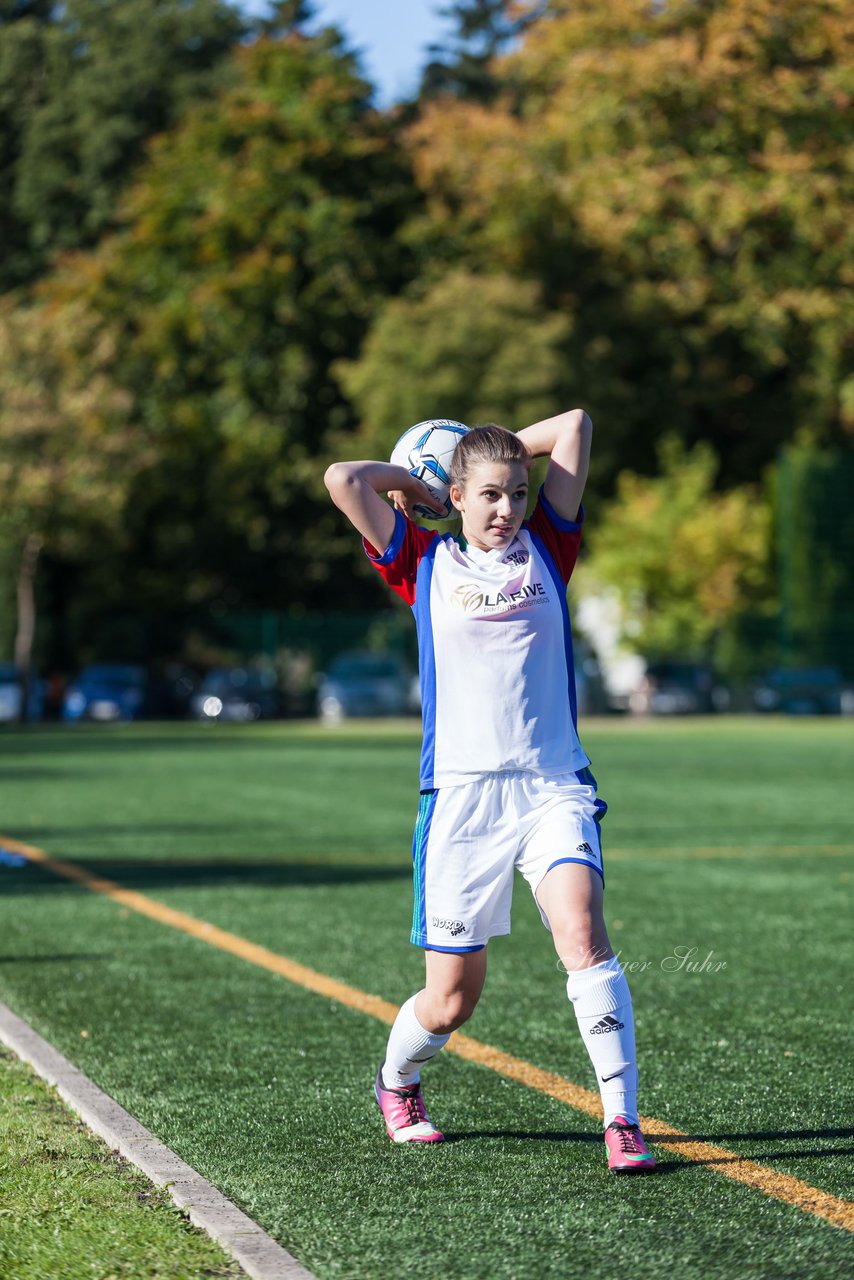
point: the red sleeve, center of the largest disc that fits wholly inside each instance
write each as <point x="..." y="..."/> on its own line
<point x="398" y="564"/>
<point x="562" y="538"/>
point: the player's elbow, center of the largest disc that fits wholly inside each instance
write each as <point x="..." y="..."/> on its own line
<point x="579" y="420"/>
<point x="573" y="438"/>
<point x="337" y="477"/>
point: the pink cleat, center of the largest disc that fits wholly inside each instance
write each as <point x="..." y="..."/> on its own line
<point x="627" y="1151"/>
<point x="405" y="1116"/>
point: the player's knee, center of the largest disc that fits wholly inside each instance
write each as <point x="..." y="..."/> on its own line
<point x="458" y="1008"/>
<point x="450" y="1009"/>
<point x="581" y="939"/>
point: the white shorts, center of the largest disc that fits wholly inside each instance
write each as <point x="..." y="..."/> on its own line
<point x="468" y="840"/>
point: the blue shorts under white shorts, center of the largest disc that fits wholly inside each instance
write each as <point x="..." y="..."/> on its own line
<point x="468" y="840"/>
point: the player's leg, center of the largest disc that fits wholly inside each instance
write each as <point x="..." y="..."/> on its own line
<point x="422" y="1027"/>
<point x="561" y="859"/>
<point x="424" y="1023"/>
<point x="570" y="898"/>
<point x="452" y="989"/>
<point x="463" y="853"/>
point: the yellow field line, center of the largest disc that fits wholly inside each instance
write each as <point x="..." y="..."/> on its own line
<point x="782" y="1186"/>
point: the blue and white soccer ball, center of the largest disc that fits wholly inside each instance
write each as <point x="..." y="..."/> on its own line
<point x="425" y="450"/>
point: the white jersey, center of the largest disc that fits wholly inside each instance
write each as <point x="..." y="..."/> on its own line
<point x="495" y="648"/>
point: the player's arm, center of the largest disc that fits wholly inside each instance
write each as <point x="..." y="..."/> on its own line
<point x="355" y="488"/>
<point x="565" y="441"/>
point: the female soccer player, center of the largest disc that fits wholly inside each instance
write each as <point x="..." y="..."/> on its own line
<point x="504" y="780"/>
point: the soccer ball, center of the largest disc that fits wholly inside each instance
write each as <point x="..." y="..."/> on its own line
<point x="425" y="450"/>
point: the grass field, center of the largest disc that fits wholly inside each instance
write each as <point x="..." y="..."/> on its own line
<point x="71" y="1208"/>
<point x="729" y="839"/>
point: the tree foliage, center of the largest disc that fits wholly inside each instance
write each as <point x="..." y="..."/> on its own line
<point x="463" y="65"/>
<point x="68" y="445"/>
<point x="83" y="84"/>
<point x="815" y="550"/>
<point x="474" y="348"/>
<point x="256" y="242"/>
<point x="685" y="561"/>
<point x="69" y="449"/>
<point x="679" y="179"/>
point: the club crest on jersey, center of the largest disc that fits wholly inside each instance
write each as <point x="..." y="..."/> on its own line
<point x="517" y="557"/>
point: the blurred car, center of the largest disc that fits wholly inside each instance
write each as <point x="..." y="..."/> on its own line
<point x="10" y="695"/>
<point x="366" y="684"/>
<point x="802" y="691"/>
<point x="107" y="691"/>
<point x="172" y="689"/>
<point x="237" y="694"/>
<point x="678" y="688"/>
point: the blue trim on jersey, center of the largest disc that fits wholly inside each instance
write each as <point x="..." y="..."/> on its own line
<point x="452" y="950"/>
<point x="394" y="546"/>
<point x="560" y="588"/>
<point x="559" y="522"/>
<point x="584" y="862"/>
<point x="426" y="808"/>
<point x="426" y="660"/>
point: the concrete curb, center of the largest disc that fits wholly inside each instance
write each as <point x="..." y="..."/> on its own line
<point x="259" y="1254"/>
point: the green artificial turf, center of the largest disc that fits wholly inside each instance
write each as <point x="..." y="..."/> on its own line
<point x="728" y="841"/>
<point x="71" y="1208"/>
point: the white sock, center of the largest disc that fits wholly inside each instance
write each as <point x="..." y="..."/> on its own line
<point x="409" y="1047"/>
<point x="603" y="1007"/>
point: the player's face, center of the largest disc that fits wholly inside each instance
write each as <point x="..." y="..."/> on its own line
<point x="492" y="503"/>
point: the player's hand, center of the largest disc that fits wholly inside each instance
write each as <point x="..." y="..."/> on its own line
<point x="405" y="499"/>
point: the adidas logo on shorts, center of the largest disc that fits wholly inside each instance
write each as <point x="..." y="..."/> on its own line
<point x="607" y="1024"/>
<point x="584" y="848"/>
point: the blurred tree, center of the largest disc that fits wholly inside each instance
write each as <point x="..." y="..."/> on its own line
<point x="68" y="447"/>
<point x="472" y="348"/>
<point x="463" y="65"/>
<point x="679" y="179"/>
<point x="685" y="561"/>
<point x="815" y="550"/>
<point x="284" y="18"/>
<point x="83" y="84"/>
<point x="258" y="241"/>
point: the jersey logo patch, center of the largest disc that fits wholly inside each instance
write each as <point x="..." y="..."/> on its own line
<point x="468" y="597"/>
